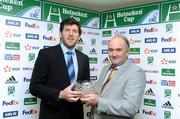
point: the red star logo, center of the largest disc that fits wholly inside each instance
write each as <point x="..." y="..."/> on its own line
<point x="147" y="51"/>
<point x="7" y="69"/>
<point x="28" y="47"/>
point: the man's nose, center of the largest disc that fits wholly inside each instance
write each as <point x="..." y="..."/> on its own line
<point x="114" y="52"/>
<point x="70" y="32"/>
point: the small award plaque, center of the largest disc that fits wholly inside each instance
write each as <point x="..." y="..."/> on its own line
<point x="85" y="86"/>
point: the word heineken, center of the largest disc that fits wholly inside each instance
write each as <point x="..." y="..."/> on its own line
<point x="74" y="13"/>
<point x="128" y="15"/>
<point x="6" y="4"/>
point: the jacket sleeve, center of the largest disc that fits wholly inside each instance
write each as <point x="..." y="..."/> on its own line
<point x="129" y="103"/>
<point x="39" y="79"/>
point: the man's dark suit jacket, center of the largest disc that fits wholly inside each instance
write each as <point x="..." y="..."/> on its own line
<point x="50" y="76"/>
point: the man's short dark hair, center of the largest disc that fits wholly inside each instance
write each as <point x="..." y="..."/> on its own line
<point x="69" y="21"/>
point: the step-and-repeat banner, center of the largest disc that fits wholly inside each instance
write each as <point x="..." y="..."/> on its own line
<point x="155" y="49"/>
<point x="21" y="40"/>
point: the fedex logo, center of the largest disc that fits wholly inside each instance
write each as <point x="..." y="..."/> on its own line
<point x="146" y="30"/>
<point x="12" y="102"/>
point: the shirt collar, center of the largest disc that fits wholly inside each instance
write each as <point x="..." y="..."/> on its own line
<point x="117" y="67"/>
<point x="65" y="49"/>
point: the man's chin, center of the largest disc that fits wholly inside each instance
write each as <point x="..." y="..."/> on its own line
<point x="70" y="45"/>
<point x="116" y="62"/>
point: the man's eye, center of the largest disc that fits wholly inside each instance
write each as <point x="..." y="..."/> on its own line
<point x="66" y="30"/>
<point x="75" y="31"/>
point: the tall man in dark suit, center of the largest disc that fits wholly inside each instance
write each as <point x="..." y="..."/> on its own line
<point x="120" y="87"/>
<point x="51" y="80"/>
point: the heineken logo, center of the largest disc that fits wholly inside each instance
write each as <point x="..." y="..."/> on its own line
<point x="168" y="72"/>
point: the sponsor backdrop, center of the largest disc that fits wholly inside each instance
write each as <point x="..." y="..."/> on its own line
<point x="21" y="39"/>
<point x="153" y="35"/>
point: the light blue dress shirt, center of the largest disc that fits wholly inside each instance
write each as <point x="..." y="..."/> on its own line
<point x="65" y="50"/>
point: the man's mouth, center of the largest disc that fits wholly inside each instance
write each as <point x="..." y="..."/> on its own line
<point x="70" y="39"/>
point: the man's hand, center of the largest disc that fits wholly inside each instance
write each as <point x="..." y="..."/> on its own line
<point x="69" y="95"/>
<point x="90" y="99"/>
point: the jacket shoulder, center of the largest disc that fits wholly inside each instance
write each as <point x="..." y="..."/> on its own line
<point x="81" y="53"/>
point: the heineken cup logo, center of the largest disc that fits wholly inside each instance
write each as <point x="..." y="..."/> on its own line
<point x="53" y="13"/>
<point x="110" y="19"/>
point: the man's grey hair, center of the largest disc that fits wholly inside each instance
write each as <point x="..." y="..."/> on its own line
<point x="124" y="38"/>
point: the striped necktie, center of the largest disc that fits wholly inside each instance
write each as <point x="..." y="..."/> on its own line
<point x="113" y="71"/>
<point x="70" y="66"/>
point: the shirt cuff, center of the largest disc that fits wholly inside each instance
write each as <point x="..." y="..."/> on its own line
<point x="102" y="105"/>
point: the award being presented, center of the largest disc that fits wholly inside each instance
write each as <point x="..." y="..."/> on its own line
<point x="85" y="86"/>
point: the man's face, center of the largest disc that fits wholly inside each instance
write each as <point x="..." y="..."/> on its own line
<point x="70" y="35"/>
<point x="118" y="51"/>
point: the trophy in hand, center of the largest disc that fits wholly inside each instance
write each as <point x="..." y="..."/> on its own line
<point x="85" y="86"/>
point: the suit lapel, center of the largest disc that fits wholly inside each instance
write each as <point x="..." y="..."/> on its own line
<point x="79" y="61"/>
<point x="102" y="77"/>
<point x="59" y="56"/>
<point x="118" y="76"/>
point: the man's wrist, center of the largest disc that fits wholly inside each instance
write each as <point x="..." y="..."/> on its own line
<point x="60" y="95"/>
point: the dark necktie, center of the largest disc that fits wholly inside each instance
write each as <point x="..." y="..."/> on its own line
<point x="113" y="71"/>
<point x="70" y="66"/>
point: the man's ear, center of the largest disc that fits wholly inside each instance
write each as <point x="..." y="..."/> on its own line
<point x="128" y="51"/>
